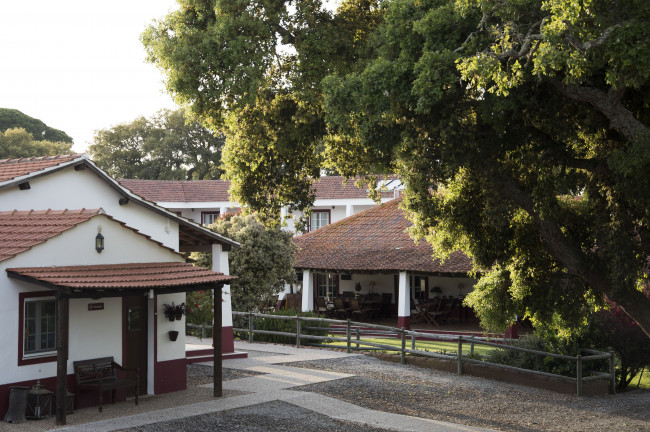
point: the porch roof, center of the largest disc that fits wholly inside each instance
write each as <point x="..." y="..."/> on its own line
<point x="374" y="240"/>
<point x="117" y="280"/>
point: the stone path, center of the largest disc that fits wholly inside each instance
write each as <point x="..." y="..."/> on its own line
<point x="275" y="383"/>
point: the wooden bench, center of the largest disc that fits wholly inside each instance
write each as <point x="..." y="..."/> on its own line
<point x="100" y="375"/>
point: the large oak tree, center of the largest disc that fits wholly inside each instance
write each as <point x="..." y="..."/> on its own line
<point x="520" y="127"/>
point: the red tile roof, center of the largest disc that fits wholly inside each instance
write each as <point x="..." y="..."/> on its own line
<point x="122" y="276"/>
<point x="329" y="187"/>
<point x="21" y="230"/>
<point x="335" y="187"/>
<point x="12" y="168"/>
<point x="179" y="190"/>
<point x="373" y="240"/>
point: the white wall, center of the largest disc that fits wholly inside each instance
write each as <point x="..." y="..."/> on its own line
<point x="75" y="247"/>
<point x="70" y="189"/>
<point x="167" y="349"/>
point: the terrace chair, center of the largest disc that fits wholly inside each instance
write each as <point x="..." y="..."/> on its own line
<point x="340" y="311"/>
<point x="355" y="310"/>
<point x="321" y="307"/>
<point x="417" y="313"/>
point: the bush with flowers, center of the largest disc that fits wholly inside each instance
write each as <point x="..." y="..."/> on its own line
<point x="199" y="307"/>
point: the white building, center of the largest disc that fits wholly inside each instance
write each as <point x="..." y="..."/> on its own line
<point x="205" y="200"/>
<point x="71" y="235"/>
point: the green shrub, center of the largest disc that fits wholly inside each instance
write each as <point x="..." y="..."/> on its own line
<point x="543" y="363"/>
<point x="280" y="325"/>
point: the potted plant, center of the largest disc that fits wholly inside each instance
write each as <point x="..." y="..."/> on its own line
<point x="174" y="311"/>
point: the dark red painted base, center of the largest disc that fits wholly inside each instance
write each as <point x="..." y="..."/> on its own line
<point x="404" y="322"/>
<point x="227" y="340"/>
<point x="171" y="376"/>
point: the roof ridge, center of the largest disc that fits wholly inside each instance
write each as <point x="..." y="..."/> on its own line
<point x="40" y="158"/>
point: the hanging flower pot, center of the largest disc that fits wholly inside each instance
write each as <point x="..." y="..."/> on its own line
<point x="173" y="335"/>
<point x="173" y="311"/>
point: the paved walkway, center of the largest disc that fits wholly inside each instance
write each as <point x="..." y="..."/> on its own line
<point x="275" y="383"/>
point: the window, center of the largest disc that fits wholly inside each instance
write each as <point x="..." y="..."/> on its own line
<point x="326" y="285"/>
<point x="419" y="285"/>
<point x="318" y="219"/>
<point x="39" y="326"/>
<point x="208" y="218"/>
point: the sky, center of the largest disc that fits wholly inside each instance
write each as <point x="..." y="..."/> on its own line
<point x="79" y="65"/>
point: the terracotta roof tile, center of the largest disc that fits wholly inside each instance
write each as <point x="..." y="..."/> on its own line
<point x="12" y="168"/>
<point x="335" y="187"/>
<point x="179" y="190"/>
<point x="21" y="230"/>
<point x="123" y="276"/>
<point x="328" y="187"/>
<point x="373" y="240"/>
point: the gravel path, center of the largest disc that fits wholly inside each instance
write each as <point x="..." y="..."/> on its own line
<point x="274" y="416"/>
<point x="432" y="394"/>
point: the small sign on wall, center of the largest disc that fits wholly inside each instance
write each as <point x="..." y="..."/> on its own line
<point x="95" y="306"/>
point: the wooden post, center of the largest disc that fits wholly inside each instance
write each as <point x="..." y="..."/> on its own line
<point x="358" y="336"/>
<point x="460" y="355"/>
<point x="298" y="331"/>
<point x="612" y="373"/>
<point x="217" y="343"/>
<point x="250" y="327"/>
<point x="403" y="353"/>
<point x="61" y="357"/>
<point x="579" y="374"/>
<point x="349" y="336"/>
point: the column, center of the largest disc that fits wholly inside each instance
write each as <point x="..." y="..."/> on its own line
<point x="307" y="291"/>
<point x="404" y="302"/>
<point x="220" y="264"/>
<point x="349" y="210"/>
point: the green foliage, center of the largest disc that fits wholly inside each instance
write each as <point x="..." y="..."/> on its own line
<point x="14" y="119"/>
<point x="263" y="264"/>
<point x="288" y="326"/>
<point x="254" y="70"/>
<point x="543" y="363"/>
<point x="520" y="128"/>
<point x="199" y="307"/>
<point x="168" y="146"/>
<point x="18" y="143"/>
<point x="616" y="331"/>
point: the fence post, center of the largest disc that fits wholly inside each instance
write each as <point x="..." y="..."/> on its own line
<point x="349" y="336"/>
<point x="298" y="331"/>
<point x="358" y="336"/>
<point x="579" y="374"/>
<point x="460" y="355"/>
<point x="403" y="353"/>
<point x="412" y="341"/>
<point x="250" y="327"/>
<point x="202" y="331"/>
<point x="471" y="347"/>
<point x="612" y="373"/>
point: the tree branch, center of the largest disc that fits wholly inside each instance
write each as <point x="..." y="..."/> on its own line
<point x="586" y="46"/>
<point x="607" y="103"/>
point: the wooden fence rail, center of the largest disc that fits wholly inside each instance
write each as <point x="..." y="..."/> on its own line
<point x="353" y="328"/>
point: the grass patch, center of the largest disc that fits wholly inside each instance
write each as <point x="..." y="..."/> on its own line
<point x="431" y="346"/>
<point x="642" y="379"/>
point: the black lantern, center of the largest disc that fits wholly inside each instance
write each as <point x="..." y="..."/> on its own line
<point x="99" y="243"/>
<point x="39" y="402"/>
